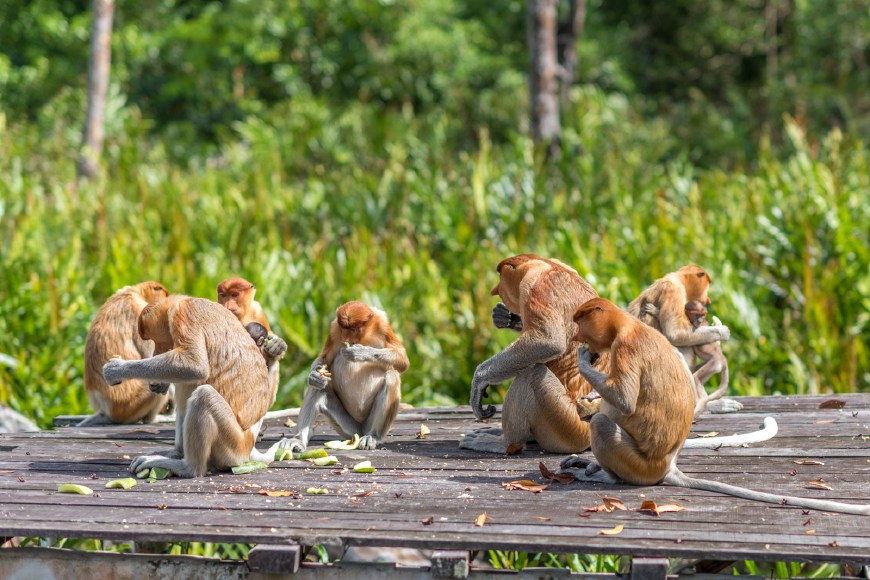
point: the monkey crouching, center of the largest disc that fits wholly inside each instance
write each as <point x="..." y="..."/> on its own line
<point x="355" y="381"/>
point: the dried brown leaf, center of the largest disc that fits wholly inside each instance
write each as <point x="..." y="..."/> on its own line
<point x="810" y="532"/>
<point x="807" y="462"/>
<point x="161" y="506"/>
<point x="557" y="477"/>
<point x="482" y="519"/>
<point x="542" y="518"/>
<point x="650" y="506"/>
<point x="526" y="485"/>
<point x="289" y="422"/>
<point x="428" y="521"/>
<point x="818" y="485"/>
<point x="514" y="448"/>
<point x="617" y="530"/>
<point x="832" y="404"/>
<point x="614" y="504"/>
<point x="277" y="493"/>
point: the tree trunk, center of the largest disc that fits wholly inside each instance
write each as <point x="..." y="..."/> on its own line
<point x="568" y="36"/>
<point x="98" y="82"/>
<point x="543" y="74"/>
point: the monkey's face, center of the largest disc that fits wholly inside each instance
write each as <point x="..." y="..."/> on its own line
<point x="511" y="273"/>
<point x="152" y="291"/>
<point x="696" y="313"/>
<point x="697" y="283"/>
<point x="597" y="321"/>
<point x="236" y="297"/>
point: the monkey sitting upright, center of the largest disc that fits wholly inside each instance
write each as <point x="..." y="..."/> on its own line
<point x="355" y="379"/>
<point x="222" y="386"/>
<point x="713" y="360"/>
<point x="647" y="410"/>
<point x="237" y="296"/>
<point x="114" y="332"/>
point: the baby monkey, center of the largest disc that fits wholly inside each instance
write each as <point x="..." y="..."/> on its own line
<point x="713" y="360"/>
<point x="355" y="379"/>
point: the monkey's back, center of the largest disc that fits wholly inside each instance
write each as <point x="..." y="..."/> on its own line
<point x="665" y="405"/>
<point x="113" y="332"/>
<point x="238" y="370"/>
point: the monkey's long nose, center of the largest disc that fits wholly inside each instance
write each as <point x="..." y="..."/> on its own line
<point x="494" y="291"/>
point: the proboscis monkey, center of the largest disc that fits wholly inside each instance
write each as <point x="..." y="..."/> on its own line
<point x="237" y="296"/>
<point x="713" y="360"/>
<point x="114" y="332"/>
<point x="647" y="410"/>
<point x="539" y="297"/>
<point x="669" y="295"/>
<point x="221" y="384"/>
<point x="355" y="380"/>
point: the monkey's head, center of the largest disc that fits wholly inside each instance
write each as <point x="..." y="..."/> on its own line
<point x="696" y="312"/>
<point x="352" y="319"/>
<point x="153" y="325"/>
<point x="511" y="272"/>
<point x="598" y="320"/>
<point x="697" y="282"/>
<point x="152" y="291"/>
<point x="236" y="294"/>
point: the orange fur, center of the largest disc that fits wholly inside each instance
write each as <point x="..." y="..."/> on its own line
<point x="114" y="332"/>
<point x="237" y="295"/>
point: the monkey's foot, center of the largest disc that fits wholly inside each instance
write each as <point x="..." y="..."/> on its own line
<point x="294" y="445"/>
<point x="724" y="406"/>
<point x="368" y="442"/>
<point x="593" y="472"/>
<point x="485" y="440"/>
<point x="573" y="461"/>
<point x="172" y="453"/>
<point x="178" y="467"/>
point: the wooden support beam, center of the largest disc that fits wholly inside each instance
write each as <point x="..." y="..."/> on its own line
<point x="649" y="568"/>
<point x="275" y="559"/>
<point x="451" y="563"/>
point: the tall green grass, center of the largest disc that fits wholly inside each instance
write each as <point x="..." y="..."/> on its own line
<point x="317" y="207"/>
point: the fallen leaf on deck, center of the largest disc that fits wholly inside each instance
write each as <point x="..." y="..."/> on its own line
<point x="424" y="430"/>
<point x="428" y="521"/>
<point x="277" y="493"/>
<point x="710" y="434"/>
<point x="818" y="485"/>
<point x="161" y="506"/>
<point x="610" y="504"/>
<point x="808" y="462"/>
<point x="514" y="448"/>
<point x="834" y="544"/>
<point x="482" y="519"/>
<point x="650" y="506"/>
<point x="289" y="422"/>
<point x="832" y="404"/>
<point x="542" y="518"/>
<point x="810" y="532"/>
<point x="526" y="485"/>
<point x="557" y="477"/>
<point x="618" y="529"/>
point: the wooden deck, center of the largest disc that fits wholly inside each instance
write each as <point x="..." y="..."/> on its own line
<point x="427" y="493"/>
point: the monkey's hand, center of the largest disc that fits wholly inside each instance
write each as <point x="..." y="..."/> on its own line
<point x="478" y="393"/>
<point x="159" y="388"/>
<point x="113" y="371"/>
<point x="723" y="331"/>
<point x="586" y="358"/>
<point x="318" y="381"/>
<point x="361" y="353"/>
<point x="651" y="309"/>
<point x="274" y="346"/>
<point x="294" y="445"/>
<point x="504" y="318"/>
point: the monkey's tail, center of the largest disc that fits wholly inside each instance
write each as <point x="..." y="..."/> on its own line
<point x="679" y="479"/>
<point x="768" y="431"/>
<point x="717" y="394"/>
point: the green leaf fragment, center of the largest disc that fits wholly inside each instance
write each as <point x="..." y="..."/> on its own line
<point x="312" y="454"/>
<point x="74" y="488"/>
<point x="317" y="491"/>
<point x="249" y="467"/>
<point x="322" y="461"/>
<point x="159" y="473"/>
<point x="364" y="467"/>
<point x="143" y="473"/>
<point x="125" y="483"/>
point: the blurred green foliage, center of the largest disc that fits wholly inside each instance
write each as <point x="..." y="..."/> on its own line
<point x="341" y="150"/>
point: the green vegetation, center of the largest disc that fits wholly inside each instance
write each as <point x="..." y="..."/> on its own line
<point x="353" y="149"/>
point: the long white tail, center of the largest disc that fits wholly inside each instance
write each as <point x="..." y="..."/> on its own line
<point x="768" y="431"/>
